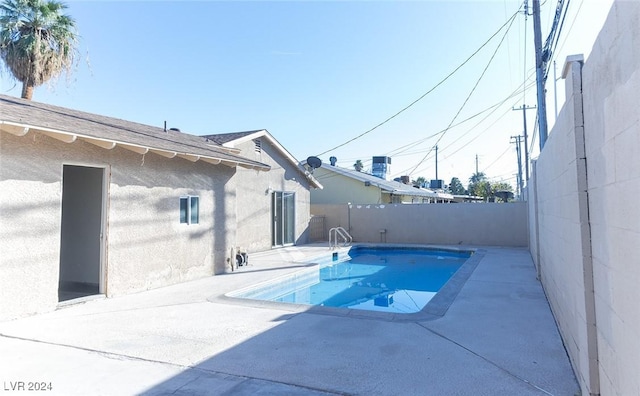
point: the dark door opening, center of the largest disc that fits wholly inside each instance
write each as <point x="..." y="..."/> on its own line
<point x="81" y="232"/>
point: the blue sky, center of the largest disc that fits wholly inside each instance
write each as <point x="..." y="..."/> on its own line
<point x="316" y="74"/>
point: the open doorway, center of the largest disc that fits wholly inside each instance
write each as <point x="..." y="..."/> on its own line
<point x="81" y="232"/>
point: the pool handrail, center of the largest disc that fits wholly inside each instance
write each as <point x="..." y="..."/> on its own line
<point x="335" y="231"/>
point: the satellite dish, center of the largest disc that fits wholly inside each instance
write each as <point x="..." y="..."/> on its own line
<point x="314" y="162"/>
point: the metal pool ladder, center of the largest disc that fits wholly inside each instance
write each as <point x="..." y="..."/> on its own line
<point x="345" y="238"/>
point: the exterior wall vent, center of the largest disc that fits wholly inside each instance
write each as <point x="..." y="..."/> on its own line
<point x="258" y="146"/>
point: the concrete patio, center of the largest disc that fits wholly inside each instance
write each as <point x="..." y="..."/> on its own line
<point x="498" y="337"/>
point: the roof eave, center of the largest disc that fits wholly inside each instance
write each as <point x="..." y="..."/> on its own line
<point x="20" y="129"/>
<point x="264" y="133"/>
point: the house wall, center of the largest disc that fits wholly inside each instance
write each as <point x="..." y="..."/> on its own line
<point x="146" y="246"/>
<point x="30" y="207"/>
<point x="587" y="179"/>
<point x="254" y="196"/>
<point x="339" y="189"/>
<point x="453" y="224"/>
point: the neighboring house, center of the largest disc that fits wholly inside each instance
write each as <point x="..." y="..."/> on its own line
<point x="467" y="198"/>
<point x="97" y="205"/>
<point x="273" y="208"/>
<point x="343" y="185"/>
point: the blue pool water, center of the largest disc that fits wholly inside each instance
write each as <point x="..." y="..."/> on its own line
<point x="374" y="279"/>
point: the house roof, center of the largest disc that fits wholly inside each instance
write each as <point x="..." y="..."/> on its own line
<point x="393" y="187"/>
<point x="19" y="116"/>
<point x="233" y="139"/>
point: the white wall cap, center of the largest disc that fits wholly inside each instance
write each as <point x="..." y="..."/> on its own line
<point x="569" y="61"/>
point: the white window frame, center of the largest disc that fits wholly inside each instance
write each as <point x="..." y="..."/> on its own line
<point x="189" y="217"/>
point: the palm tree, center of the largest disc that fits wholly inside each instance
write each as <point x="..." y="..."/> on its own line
<point x="477" y="177"/>
<point x="37" y="41"/>
<point x="476" y="184"/>
<point x="420" y="182"/>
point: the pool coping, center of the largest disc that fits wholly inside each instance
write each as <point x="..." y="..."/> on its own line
<point x="436" y="308"/>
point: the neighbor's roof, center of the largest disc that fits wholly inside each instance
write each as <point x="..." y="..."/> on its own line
<point x="393" y="187"/>
<point x="233" y="139"/>
<point x="20" y="116"/>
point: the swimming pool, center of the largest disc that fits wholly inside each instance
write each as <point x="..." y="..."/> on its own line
<point x="400" y="280"/>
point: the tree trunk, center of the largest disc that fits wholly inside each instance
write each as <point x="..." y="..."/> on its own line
<point x="27" y="91"/>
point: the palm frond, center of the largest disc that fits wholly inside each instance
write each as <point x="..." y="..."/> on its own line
<point x="37" y="41"/>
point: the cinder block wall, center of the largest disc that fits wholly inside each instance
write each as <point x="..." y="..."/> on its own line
<point x="563" y="251"/>
<point x="611" y="80"/>
<point x="449" y="224"/>
<point x="587" y="255"/>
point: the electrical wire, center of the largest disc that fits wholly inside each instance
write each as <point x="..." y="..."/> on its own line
<point x="492" y="124"/>
<point x="496" y="106"/>
<point x="526" y="16"/>
<point x="403" y="149"/>
<point x="496" y="160"/>
<point x="554" y="35"/>
<point x="429" y="91"/>
<point x="470" y="93"/>
<point x="571" y="27"/>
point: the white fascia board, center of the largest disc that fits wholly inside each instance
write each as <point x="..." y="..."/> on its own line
<point x="20" y="129"/>
<point x="280" y="148"/>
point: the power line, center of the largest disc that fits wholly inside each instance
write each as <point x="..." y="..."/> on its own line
<point x="496" y="160"/>
<point x="552" y="40"/>
<point x="571" y="27"/>
<point x="403" y="149"/>
<point x="515" y="93"/>
<point x="526" y="15"/>
<point x="426" y="93"/>
<point x="471" y="92"/>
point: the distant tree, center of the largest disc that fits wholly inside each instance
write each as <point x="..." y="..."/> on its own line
<point x="501" y="186"/>
<point x="482" y="189"/>
<point x="37" y="41"/>
<point x="477" y="177"/>
<point x="358" y="166"/>
<point x="474" y="184"/>
<point x="420" y="182"/>
<point x="456" y="187"/>
<point x="498" y="189"/>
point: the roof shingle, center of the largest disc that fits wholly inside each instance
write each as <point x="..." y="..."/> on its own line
<point x="73" y="122"/>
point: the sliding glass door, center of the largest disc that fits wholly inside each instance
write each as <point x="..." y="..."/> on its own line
<point x="284" y="219"/>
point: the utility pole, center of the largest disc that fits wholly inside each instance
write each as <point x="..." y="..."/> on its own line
<point x="476" y="164"/>
<point x="518" y="140"/>
<point x="555" y="91"/>
<point x="524" y="109"/>
<point x="540" y="63"/>
<point x="437" y="163"/>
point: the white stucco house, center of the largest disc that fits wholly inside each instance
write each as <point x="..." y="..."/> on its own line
<point x="282" y="216"/>
<point x="96" y="205"/>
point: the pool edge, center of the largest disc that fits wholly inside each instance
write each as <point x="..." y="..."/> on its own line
<point x="435" y="309"/>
